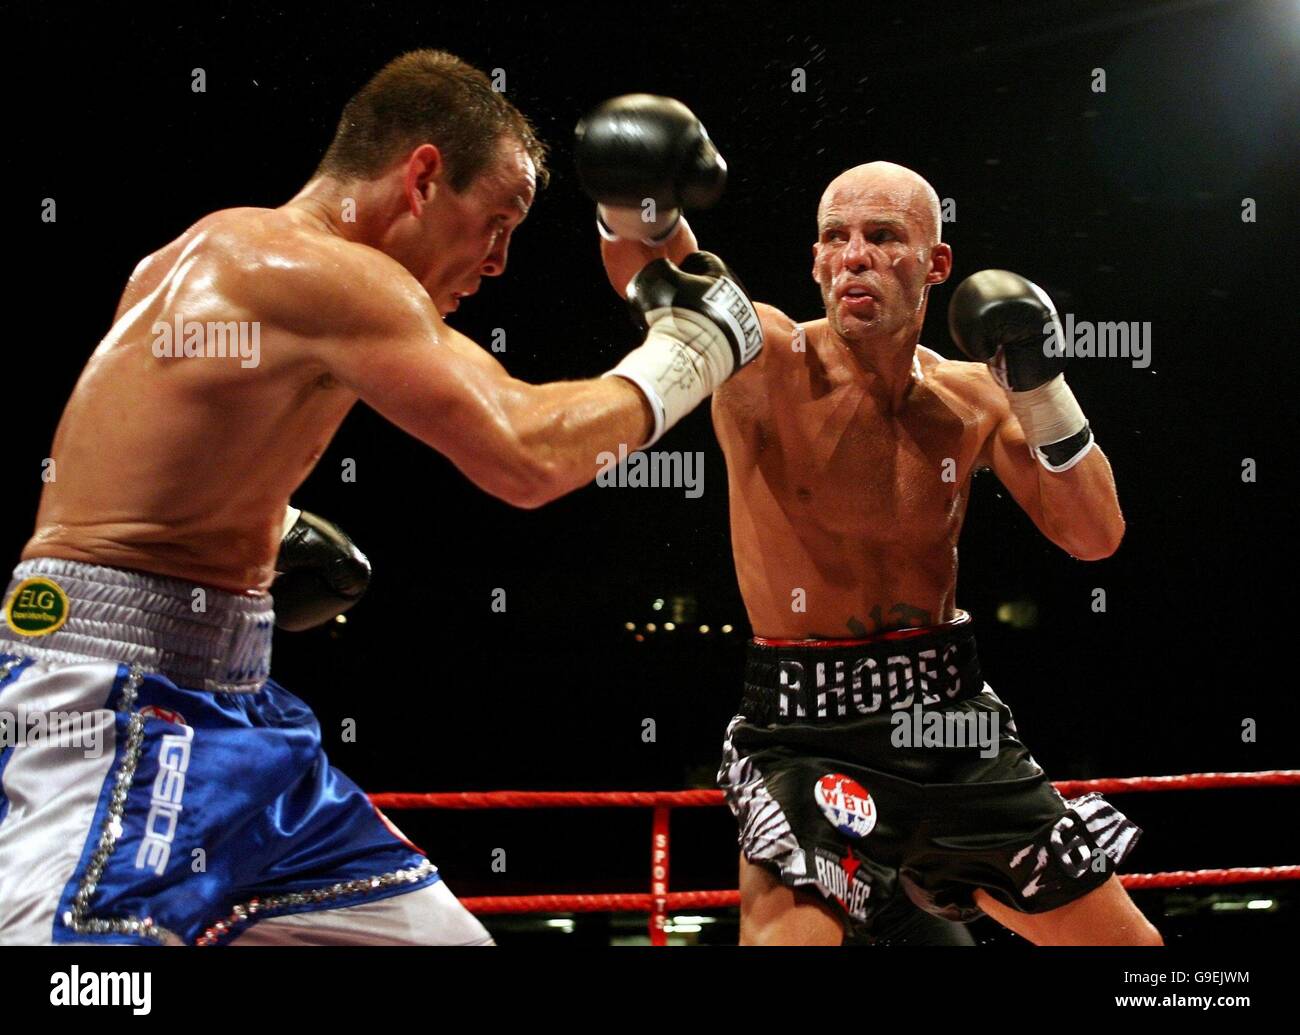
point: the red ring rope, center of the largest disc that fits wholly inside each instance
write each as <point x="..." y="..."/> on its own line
<point x="634" y="903"/>
<point x="688" y="799"/>
<point x="661" y="901"/>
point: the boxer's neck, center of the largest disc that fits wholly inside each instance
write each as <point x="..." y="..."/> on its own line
<point x="883" y="364"/>
<point x="358" y="210"/>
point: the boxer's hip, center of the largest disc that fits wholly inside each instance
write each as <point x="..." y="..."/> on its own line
<point x="197" y="636"/>
<point x="155" y="784"/>
<point x="909" y="708"/>
<point x="862" y="768"/>
<point x="870" y="700"/>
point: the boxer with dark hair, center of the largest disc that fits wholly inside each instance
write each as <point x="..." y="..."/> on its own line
<point x="141" y="600"/>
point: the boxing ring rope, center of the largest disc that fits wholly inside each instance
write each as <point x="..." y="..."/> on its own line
<point x="660" y="901"/>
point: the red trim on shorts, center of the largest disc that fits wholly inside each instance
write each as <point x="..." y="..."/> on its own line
<point x="391" y="827"/>
<point x="963" y="618"/>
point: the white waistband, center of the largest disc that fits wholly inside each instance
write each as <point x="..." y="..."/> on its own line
<point x="198" y="636"/>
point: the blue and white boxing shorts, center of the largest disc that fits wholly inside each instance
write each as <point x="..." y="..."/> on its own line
<point x="157" y="787"/>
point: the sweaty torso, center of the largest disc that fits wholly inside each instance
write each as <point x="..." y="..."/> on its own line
<point x="183" y="465"/>
<point x="845" y="510"/>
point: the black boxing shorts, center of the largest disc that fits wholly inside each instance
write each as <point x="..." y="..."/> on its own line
<point x="859" y="768"/>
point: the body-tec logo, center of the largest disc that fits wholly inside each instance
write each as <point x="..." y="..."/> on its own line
<point x="846" y="804"/>
<point x="844" y="881"/>
<point x="165" y="808"/>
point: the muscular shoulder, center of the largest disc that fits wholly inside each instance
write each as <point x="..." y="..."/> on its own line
<point x="778" y="336"/>
<point x="778" y="329"/>
<point x="969" y="388"/>
<point x="299" y="277"/>
<point x="971" y="382"/>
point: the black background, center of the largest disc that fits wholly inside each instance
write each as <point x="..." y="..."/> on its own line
<point x="1125" y="205"/>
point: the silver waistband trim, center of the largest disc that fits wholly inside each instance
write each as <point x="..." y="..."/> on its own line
<point x="199" y="637"/>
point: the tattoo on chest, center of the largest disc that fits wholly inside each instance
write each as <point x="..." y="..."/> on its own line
<point x="901" y="616"/>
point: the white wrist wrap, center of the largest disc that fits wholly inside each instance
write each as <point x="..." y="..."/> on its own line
<point x="1050" y="414"/>
<point x="683" y="359"/>
<point x="628" y="224"/>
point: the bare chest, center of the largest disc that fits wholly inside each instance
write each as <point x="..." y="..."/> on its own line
<point x="837" y="463"/>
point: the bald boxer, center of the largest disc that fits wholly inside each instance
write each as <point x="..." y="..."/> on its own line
<point x="850" y="449"/>
<point x="140" y="608"/>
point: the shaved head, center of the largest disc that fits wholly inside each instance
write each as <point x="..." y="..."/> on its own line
<point x="893" y="186"/>
<point x="878" y="252"/>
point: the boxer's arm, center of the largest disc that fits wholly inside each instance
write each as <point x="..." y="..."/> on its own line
<point x="1077" y="509"/>
<point x="624" y="259"/>
<point x="526" y="444"/>
<point x="644" y="159"/>
<point x="358" y="316"/>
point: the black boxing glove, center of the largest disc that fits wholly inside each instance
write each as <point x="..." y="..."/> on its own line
<point x="320" y="573"/>
<point x="701" y="327"/>
<point x="1002" y="319"/>
<point x="639" y="148"/>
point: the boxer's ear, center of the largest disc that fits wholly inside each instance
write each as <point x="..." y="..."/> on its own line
<point x="816" y="251"/>
<point x="424" y="171"/>
<point x="940" y="264"/>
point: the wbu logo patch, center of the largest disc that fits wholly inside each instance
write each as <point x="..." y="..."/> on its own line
<point x="846" y="804"/>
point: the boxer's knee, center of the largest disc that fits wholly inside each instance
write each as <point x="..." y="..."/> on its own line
<point x="1106" y="915"/>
